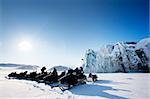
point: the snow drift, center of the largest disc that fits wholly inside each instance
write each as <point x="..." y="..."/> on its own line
<point x="120" y="57"/>
<point x="19" y="66"/>
<point x="60" y="68"/>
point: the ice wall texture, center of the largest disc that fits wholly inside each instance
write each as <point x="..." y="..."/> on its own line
<point x="120" y="57"/>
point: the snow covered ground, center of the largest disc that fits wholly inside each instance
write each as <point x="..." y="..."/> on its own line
<point x="110" y="85"/>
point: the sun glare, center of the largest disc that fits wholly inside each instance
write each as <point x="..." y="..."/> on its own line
<point x="25" y="46"/>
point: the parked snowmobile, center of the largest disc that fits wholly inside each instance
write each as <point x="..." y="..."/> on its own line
<point x="12" y="75"/>
<point x="52" y="77"/>
<point x="39" y="77"/>
<point x="31" y="76"/>
<point x="72" y="78"/>
<point x="21" y="75"/>
<point x="92" y="77"/>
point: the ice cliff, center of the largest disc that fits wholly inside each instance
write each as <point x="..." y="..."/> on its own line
<point x="119" y="57"/>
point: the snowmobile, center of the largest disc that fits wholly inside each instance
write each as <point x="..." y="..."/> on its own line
<point x="67" y="82"/>
<point x="21" y="75"/>
<point x="92" y="78"/>
<point x="70" y="80"/>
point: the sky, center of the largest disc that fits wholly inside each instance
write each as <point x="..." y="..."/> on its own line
<point x="58" y="32"/>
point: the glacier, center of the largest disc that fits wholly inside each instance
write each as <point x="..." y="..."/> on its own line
<point x="119" y="57"/>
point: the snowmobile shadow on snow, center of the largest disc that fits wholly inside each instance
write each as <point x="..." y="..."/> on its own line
<point x="109" y="82"/>
<point x="97" y="90"/>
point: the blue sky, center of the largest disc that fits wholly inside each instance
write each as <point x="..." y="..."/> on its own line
<point x="60" y="31"/>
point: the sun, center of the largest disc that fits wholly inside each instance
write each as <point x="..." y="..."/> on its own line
<point x="25" y="46"/>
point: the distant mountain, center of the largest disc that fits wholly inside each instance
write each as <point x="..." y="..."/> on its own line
<point x="59" y="68"/>
<point x="119" y="57"/>
<point x="19" y="66"/>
